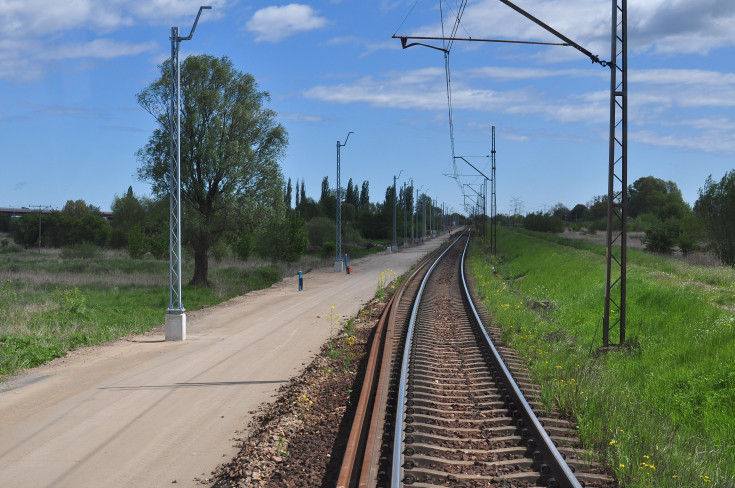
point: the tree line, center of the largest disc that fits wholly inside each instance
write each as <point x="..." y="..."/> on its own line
<point x="657" y="208"/>
<point x="236" y="201"/>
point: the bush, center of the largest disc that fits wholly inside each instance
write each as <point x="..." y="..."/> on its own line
<point x="137" y="243"/>
<point x="84" y="250"/>
<point x="319" y="230"/>
<point x="328" y="249"/>
<point x="282" y="239"/>
<point x="243" y="245"/>
<point x="543" y="223"/>
<point x="159" y="245"/>
<point x="661" y="236"/>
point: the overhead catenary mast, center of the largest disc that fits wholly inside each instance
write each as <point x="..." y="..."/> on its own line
<point x="615" y="282"/>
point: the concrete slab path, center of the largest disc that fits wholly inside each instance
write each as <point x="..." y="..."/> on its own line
<point x="141" y="412"/>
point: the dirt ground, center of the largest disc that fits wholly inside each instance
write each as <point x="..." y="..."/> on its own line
<point x="148" y="413"/>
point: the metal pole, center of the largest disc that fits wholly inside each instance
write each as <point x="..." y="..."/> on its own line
<point x="405" y="212"/>
<point x="395" y="203"/>
<point x="493" y="202"/>
<point x="174" y="304"/>
<point x="617" y="198"/>
<point x="395" y="200"/>
<point x="416" y="205"/>
<point x="338" y="239"/>
<point x="423" y="228"/>
<point x="338" y="218"/>
<point x="39" y="229"/>
<point x="175" y="325"/>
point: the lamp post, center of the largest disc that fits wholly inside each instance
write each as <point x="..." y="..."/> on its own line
<point x="416" y="204"/>
<point x="423" y="228"/>
<point x="40" y="208"/>
<point x="175" y="324"/>
<point x="395" y="199"/>
<point x="338" y="239"/>
<point x="405" y="211"/>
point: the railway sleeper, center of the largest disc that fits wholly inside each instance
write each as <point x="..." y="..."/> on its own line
<point x="471" y="423"/>
<point x="468" y="454"/>
<point x="508" y="439"/>
<point x="429" y="478"/>
<point x="461" y="432"/>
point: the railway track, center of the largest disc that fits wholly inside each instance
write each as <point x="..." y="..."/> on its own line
<point x="439" y="407"/>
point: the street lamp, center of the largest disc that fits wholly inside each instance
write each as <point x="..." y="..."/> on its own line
<point x="175" y="324"/>
<point x="405" y="211"/>
<point x="395" y="199"/>
<point x="338" y="240"/>
<point x="423" y="230"/>
<point x="416" y="204"/>
<point x="40" y="208"/>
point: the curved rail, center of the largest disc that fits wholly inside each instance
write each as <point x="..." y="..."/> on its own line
<point x="363" y="444"/>
<point x="383" y="405"/>
<point x="560" y="469"/>
<point x="398" y="430"/>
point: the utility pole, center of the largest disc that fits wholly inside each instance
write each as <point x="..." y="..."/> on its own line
<point x="338" y="239"/>
<point x="405" y="212"/>
<point x="423" y="231"/>
<point x="395" y="199"/>
<point x="40" y="208"/>
<point x="615" y="282"/>
<point x="617" y="192"/>
<point x="416" y="204"/>
<point x="175" y="323"/>
<point x="493" y="202"/>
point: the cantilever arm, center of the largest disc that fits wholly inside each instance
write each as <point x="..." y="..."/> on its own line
<point x="188" y="38"/>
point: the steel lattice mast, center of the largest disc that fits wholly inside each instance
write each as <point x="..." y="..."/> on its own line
<point x="618" y="157"/>
<point x="493" y="203"/>
<point x="617" y="193"/>
<point x="338" y="237"/>
<point x="175" y="328"/>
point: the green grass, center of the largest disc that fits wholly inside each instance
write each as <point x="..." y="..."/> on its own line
<point x="50" y="305"/>
<point x="660" y="411"/>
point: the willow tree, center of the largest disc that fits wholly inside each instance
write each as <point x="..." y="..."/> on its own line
<point x="231" y="145"/>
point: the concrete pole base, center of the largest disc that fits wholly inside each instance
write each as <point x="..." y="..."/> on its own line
<point x="338" y="266"/>
<point x="175" y="326"/>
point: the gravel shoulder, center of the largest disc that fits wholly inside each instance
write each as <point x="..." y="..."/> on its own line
<point x="148" y="413"/>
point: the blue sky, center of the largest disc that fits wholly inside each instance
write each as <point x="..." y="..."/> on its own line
<point x="70" y="124"/>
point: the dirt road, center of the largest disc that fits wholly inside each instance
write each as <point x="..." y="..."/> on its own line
<point x="142" y="412"/>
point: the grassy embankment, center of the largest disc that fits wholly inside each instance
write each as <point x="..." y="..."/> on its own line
<point x="50" y="304"/>
<point x="659" y="411"/>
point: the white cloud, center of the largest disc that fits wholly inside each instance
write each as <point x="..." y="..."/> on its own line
<point x="31" y="18"/>
<point x="34" y="31"/>
<point x="662" y="26"/>
<point x="271" y="24"/>
<point x="98" y="48"/>
<point x="299" y="117"/>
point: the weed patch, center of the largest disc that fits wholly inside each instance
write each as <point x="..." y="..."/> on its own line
<point x="657" y="410"/>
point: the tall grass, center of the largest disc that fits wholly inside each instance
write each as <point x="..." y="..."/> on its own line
<point x="53" y="302"/>
<point x="659" y="411"/>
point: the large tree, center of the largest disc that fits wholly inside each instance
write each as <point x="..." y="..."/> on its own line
<point x="649" y="195"/>
<point x="716" y="207"/>
<point x="231" y="145"/>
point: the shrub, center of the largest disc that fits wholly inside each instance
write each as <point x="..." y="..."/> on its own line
<point x="83" y="250"/>
<point x="328" y="249"/>
<point x="243" y="245"/>
<point x="543" y="223"/>
<point x="319" y="230"/>
<point x="137" y="243"/>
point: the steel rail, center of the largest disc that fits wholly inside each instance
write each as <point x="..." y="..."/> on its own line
<point x="363" y="444"/>
<point x="559" y="468"/>
<point x="397" y="464"/>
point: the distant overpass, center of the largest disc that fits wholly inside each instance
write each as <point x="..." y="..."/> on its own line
<point x="18" y="212"/>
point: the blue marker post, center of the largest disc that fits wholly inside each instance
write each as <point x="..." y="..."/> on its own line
<point x="301" y="282"/>
<point x="347" y="266"/>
